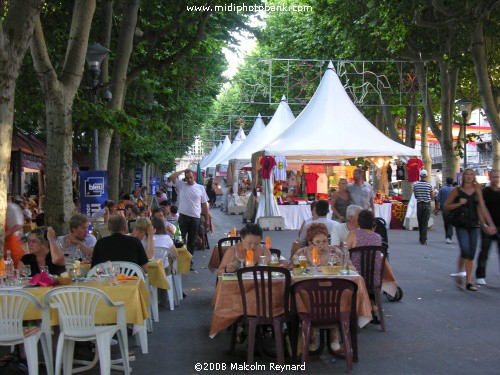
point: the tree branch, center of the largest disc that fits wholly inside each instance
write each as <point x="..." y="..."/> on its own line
<point x="72" y="71"/>
<point x="199" y="35"/>
<point x="440" y="7"/>
<point x="18" y="24"/>
<point x="424" y="93"/>
<point x="417" y="18"/>
<point x="41" y="60"/>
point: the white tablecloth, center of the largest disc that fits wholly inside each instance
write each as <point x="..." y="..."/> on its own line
<point x="384" y="211"/>
<point x="295" y="215"/>
<point x="411" y="221"/>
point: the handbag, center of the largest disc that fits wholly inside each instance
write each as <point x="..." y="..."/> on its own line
<point x="460" y="217"/>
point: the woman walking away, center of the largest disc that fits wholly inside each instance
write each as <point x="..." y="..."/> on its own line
<point x="468" y="212"/>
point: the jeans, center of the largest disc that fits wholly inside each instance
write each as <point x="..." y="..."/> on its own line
<point x="448" y="227"/>
<point x="467" y="239"/>
<point x="189" y="228"/>
<point x="483" y="254"/>
<point x="423" y="215"/>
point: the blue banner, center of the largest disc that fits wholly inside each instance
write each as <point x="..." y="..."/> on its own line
<point x="93" y="191"/>
<point x="152" y="185"/>
<point x="137" y="178"/>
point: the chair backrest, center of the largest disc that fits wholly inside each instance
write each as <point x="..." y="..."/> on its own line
<point x="232" y="241"/>
<point x="126" y="268"/>
<point x="327" y="298"/>
<point x="276" y="252"/>
<point x="76" y="307"/>
<point x="161" y="252"/>
<point x="12" y="306"/>
<point x="370" y="263"/>
<point x="381" y="229"/>
<point x="264" y="291"/>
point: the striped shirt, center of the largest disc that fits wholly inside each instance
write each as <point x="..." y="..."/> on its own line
<point x="422" y="191"/>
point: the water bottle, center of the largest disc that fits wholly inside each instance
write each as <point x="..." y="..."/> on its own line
<point x="9" y="268"/>
<point x="345" y="260"/>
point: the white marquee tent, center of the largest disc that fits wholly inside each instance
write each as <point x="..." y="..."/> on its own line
<point x="209" y="155"/>
<point x="220" y="150"/>
<point x="238" y="140"/>
<point x="330" y="127"/>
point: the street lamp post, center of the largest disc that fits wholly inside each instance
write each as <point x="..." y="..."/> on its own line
<point x="464" y="105"/>
<point x="95" y="54"/>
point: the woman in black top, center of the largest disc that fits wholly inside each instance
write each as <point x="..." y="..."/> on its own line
<point x="469" y="198"/>
<point x="44" y="251"/>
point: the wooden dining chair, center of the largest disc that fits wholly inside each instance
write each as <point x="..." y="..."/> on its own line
<point x="265" y="293"/>
<point x="331" y="303"/>
<point x="232" y="241"/>
<point x="369" y="261"/>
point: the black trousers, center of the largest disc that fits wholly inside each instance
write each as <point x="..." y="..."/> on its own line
<point x="189" y="230"/>
<point x="423" y="215"/>
<point x="482" y="259"/>
<point x="448" y="227"/>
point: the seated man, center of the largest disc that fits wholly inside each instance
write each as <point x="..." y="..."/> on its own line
<point x="79" y="243"/>
<point x="169" y="227"/>
<point x="322" y="208"/>
<point x="118" y="246"/>
<point x="339" y="233"/>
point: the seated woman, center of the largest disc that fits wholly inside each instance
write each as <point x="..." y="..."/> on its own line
<point x="144" y="231"/>
<point x="251" y="235"/>
<point x="44" y="251"/>
<point x="163" y="244"/>
<point x="317" y="237"/>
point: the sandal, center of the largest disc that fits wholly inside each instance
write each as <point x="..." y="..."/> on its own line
<point x="471" y="287"/>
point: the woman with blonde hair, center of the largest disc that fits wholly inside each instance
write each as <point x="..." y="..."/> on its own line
<point x="469" y="213"/>
<point x="144" y="231"/>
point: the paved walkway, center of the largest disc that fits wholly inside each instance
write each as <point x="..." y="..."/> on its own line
<point x="435" y="329"/>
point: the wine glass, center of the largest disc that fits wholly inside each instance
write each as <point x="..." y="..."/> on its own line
<point x="72" y="273"/>
<point x="99" y="271"/>
<point x="303" y="263"/>
<point x="316" y="261"/>
<point x="76" y="272"/>
<point x="115" y="271"/>
<point x="27" y="271"/>
<point x="44" y="269"/>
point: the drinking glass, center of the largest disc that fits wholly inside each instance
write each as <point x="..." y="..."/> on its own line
<point x="99" y="271"/>
<point x="115" y="271"/>
<point x="27" y="271"/>
<point x="303" y="263"/>
<point x="76" y="272"/>
<point x="18" y="280"/>
<point x="316" y="261"/>
<point x="72" y="273"/>
<point x="44" y="269"/>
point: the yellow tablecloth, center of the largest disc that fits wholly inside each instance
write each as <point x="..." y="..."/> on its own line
<point x="133" y="293"/>
<point x="156" y="274"/>
<point x="184" y="260"/>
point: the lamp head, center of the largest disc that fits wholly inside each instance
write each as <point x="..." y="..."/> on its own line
<point x="95" y="54"/>
<point x="464" y="105"/>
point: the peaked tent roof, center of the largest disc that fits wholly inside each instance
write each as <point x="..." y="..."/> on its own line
<point x="223" y="148"/>
<point x="237" y="142"/>
<point x="282" y="118"/>
<point x="206" y="156"/>
<point x="331" y="126"/>
<point x="253" y="137"/>
<point x="211" y="155"/>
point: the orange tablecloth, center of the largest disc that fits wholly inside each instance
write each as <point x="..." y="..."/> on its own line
<point x="228" y="307"/>
<point x="389" y="284"/>
<point x="133" y="293"/>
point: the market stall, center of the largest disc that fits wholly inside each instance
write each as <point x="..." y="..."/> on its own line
<point x="329" y="129"/>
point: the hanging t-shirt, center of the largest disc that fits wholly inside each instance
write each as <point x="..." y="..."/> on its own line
<point x="322" y="183"/>
<point x="279" y="169"/>
<point x="350" y="172"/>
<point x="413" y="168"/>
<point x="400" y="173"/>
<point x="267" y="164"/>
<point x="311" y="180"/>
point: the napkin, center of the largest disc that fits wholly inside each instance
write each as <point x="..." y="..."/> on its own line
<point x="122" y="277"/>
<point x="42" y="279"/>
<point x="2" y="268"/>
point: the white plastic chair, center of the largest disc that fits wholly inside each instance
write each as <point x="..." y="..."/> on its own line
<point x="131" y="269"/>
<point x="12" y="306"/>
<point x="76" y="306"/>
<point x="173" y="276"/>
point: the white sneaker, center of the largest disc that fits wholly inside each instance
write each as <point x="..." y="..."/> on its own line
<point x="481" y="281"/>
<point x="458" y="274"/>
<point x="448" y="240"/>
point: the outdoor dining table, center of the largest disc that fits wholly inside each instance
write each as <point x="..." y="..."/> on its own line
<point x="156" y="274"/>
<point x="133" y="293"/>
<point x="228" y="307"/>
<point x="389" y="283"/>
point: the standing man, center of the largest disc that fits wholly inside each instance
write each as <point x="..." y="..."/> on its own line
<point x="491" y="195"/>
<point x="441" y="199"/>
<point x="192" y="201"/>
<point x="361" y="192"/>
<point x="424" y="193"/>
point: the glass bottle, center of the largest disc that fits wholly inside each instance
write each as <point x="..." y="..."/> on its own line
<point x="9" y="268"/>
<point x="345" y="260"/>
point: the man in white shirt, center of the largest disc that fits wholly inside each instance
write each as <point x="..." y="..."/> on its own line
<point x="322" y="209"/>
<point x="79" y="243"/>
<point x="340" y="232"/>
<point x="193" y="200"/>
